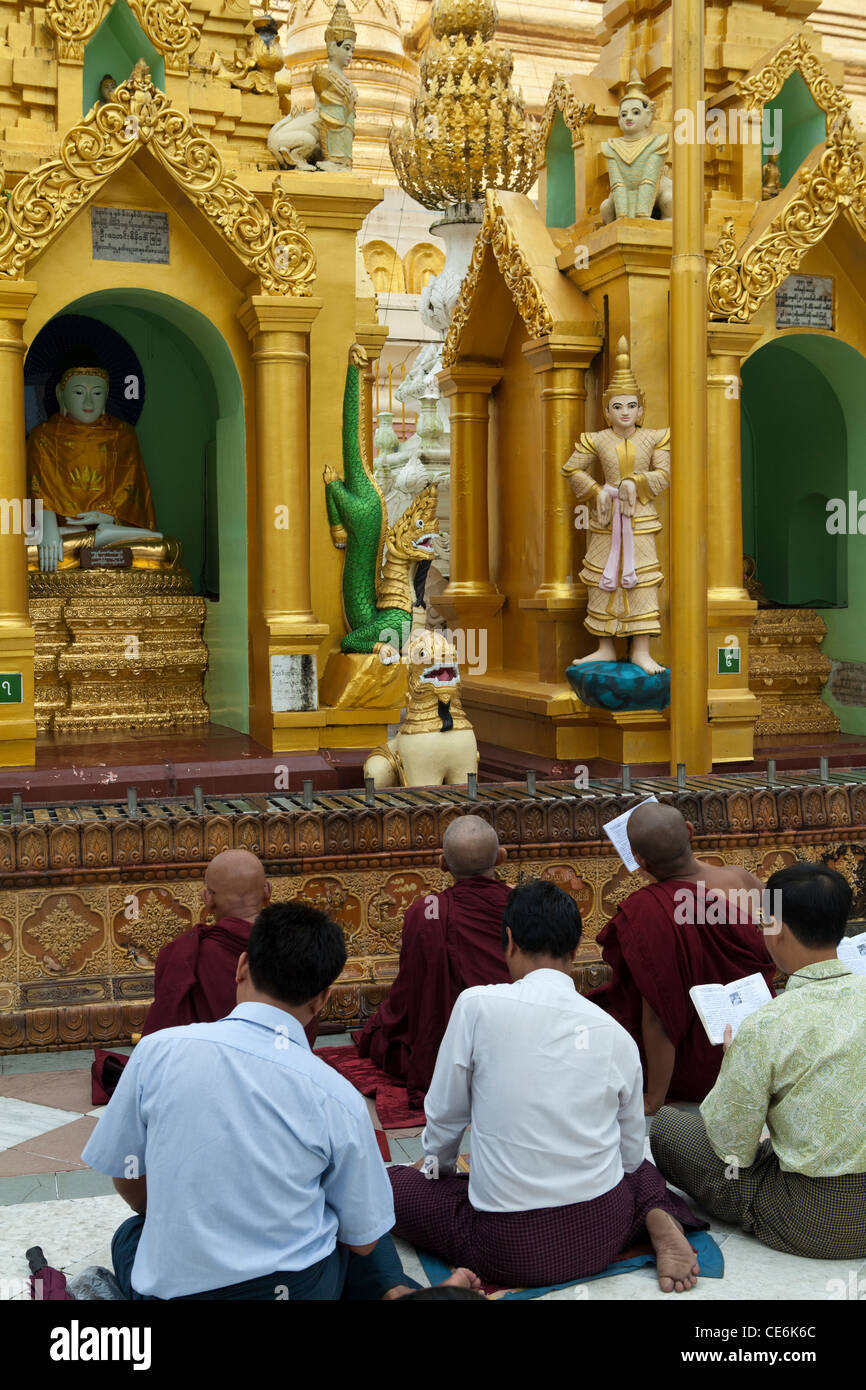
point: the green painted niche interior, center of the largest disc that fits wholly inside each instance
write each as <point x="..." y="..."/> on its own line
<point x="560" y="209"/>
<point x="803" y="432"/>
<point x="191" y="433"/>
<point x="798" y="122"/>
<point x="115" y="48"/>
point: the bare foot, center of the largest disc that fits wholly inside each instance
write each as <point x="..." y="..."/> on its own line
<point x="676" y="1262"/>
<point x="639" y="656"/>
<point x="605" y="651"/>
<point x="463" y="1279"/>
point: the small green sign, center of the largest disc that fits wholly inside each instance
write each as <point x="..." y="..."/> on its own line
<point x="729" y="661"/>
<point x="11" y="688"/>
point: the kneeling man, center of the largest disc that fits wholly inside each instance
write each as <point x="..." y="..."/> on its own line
<point x="797" y="1065"/>
<point x="553" y="1090"/>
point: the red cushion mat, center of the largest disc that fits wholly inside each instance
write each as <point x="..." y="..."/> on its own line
<point x="391" y="1099"/>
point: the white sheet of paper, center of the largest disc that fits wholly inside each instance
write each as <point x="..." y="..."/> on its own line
<point x="724" y="1004"/>
<point x="617" y="832"/>
<point x="852" y="952"/>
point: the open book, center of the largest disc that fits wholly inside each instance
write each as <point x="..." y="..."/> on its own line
<point x="852" y="952"/>
<point x="719" y="1005"/>
<point x="616" y="831"/>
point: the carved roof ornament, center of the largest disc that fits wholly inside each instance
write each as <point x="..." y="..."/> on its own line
<point x="272" y="244"/>
<point x="741" y="279"/>
<point x="796" y="54"/>
<point x="575" y="112"/>
<point x="468" y="130"/>
<point x="522" y="285"/>
<point x="167" y="24"/>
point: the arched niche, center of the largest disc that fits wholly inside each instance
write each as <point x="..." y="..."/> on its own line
<point x="384" y="267"/>
<point x="115" y="48"/>
<point x="560" y="202"/>
<point x="420" y="264"/>
<point x="191" y="432"/>
<point x="799" y="122"/>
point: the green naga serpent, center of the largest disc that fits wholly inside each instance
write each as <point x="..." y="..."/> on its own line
<point x="377" y="596"/>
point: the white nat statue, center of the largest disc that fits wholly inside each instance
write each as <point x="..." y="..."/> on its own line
<point x="636" y="160"/>
<point x="322" y="138"/>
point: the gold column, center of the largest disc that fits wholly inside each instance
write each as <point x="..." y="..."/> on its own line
<point x="732" y="706"/>
<point x="559" y="601"/>
<point x="284" y="623"/>
<point x="17" y="723"/>
<point x="690" y="732"/>
<point x="471" y="600"/>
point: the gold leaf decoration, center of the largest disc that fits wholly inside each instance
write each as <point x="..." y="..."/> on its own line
<point x="797" y="55"/>
<point x="522" y="285"/>
<point x="167" y="24"/>
<point x="272" y="244"/>
<point x="737" y="286"/>
<point x="575" y="113"/>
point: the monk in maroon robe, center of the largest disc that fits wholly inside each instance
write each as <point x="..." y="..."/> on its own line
<point x="697" y="924"/>
<point x="451" y="941"/>
<point x="194" y="980"/>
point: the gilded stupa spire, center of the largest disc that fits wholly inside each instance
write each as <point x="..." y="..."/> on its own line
<point x="468" y="130"/>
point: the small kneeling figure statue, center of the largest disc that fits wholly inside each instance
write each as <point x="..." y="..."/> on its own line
<point x="86" y="469"/>
<point x="636" y="160"/>
<point x="322" y="138"/>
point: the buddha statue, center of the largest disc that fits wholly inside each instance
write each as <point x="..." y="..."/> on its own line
<point x="86" y="468"/>
<point x="621" y="570"/>
<point x="771" y="178"/>
<point x="636" y="161"/>
<point x="322" y="138"/>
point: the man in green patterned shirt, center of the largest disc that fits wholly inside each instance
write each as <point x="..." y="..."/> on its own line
<point x="798" y="1067"/>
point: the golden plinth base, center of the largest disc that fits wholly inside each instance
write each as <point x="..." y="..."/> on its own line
<point x="362" y="682"/>
<point x="118" y="649"/>
<point x="788" y="672"/>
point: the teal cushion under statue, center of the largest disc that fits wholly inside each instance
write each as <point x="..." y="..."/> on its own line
<point x="619" y="685"/>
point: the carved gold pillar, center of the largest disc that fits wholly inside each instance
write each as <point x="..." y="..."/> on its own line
<point x="17" y="724"/>
<point x="372" y="338"/>
<point x="283" y="625"/>
<point x="690" y="731"/>
<point x="732" y="706"/>
<point x="560" y="600"/>
<point x="471" y="600"/>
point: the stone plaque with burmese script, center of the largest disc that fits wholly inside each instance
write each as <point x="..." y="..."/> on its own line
<point x="805" y="301"/>
<point x="129" y="234"/>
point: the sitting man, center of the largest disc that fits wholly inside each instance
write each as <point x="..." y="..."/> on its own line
<point x="797" y="1065"/>
<point x="558" y="1184"/>
<point x="693" y="926"/>
<point x="194" y="980"/>
<point x="451" y="941"/>
<point x="252" y="1165"/>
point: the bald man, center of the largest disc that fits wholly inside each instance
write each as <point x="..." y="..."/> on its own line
<point x="697" y="924"/>
<point x="451" y="941"/>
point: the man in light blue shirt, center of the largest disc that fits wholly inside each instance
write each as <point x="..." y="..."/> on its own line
<point x="253" y="1166"/>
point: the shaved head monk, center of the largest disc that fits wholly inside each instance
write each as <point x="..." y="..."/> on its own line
<point x="451" y="941"/>
<point x="697" y="924"/>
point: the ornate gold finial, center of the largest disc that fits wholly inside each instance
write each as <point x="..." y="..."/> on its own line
<point x="469" y="130"/>
<point x="622" y="378"/>
<point x="340" y="26"/>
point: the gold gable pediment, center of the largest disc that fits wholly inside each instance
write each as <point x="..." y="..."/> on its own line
<point x="272" y="244"/>
<point x="513" y="233"/>
<point x="167" y="23"/>
<point x="765" y="80"/>
<point x="830" y="183"/>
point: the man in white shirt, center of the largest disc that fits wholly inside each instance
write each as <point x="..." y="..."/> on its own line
<point x="553" y="1089"/>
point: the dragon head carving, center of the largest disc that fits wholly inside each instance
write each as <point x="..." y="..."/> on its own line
<point x="433" y="701"/>
<point x="411" y="536"/>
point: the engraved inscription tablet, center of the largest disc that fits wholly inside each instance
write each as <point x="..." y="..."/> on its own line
<point x="805" y="301"/>
<point x="129" y="234"/>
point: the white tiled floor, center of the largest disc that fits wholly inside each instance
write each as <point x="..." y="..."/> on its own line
<point x="20" y="1121"/>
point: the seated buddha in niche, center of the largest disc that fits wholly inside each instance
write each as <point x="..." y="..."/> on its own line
<point x="85" y="466"/>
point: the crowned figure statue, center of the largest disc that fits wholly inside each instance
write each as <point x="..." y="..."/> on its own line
<point x="636" y="161"/>
<point x="322" y="138"/>
<point x="86" y="469"/>
<point x="621" y="569"/>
